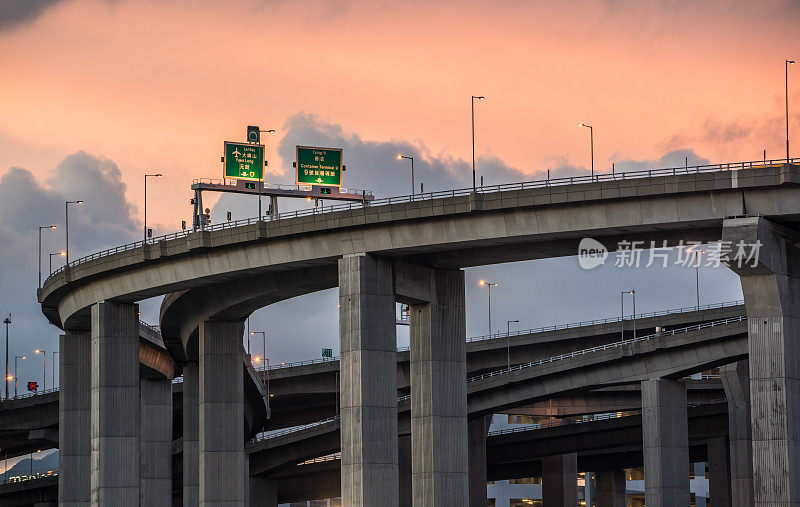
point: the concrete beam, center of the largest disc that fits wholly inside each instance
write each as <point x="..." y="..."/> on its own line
<point x="771" y="287"/>
<point x="115" y="404"/>
<point x="666" y="443"/>
<point x="560" y="480"/>
<point x="736" y="382"/>
<point x="221" y="414"/>
<point x="155" y="474"/>
<point x="74" y="419"/>
<point x="611" y="488"/>
<point x="263" y="492"/>
<point x="368" y="344"/>
<point x="477" y="431"/>
<point x="719" y="472"/>
<point x="439" y="394"/>
<point x="191" y="435"/>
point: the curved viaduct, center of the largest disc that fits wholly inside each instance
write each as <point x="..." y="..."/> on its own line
<point x="412" y="252"/>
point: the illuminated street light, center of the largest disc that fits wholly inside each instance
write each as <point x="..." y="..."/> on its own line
<point x="159" y="175"/>
<point x="40" y="250"/>
<point x="44" y="367"/>
<point x="61" y="253"/>
<point x="484" y="283"/>
<point x="413" y="188"/>
<point x="474" y="187"/>
<point x="591" y="143"/>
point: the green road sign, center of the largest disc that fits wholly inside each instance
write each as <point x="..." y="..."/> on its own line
<point x="253" y="134"/>
<point x="327" y="352"/>
<point x="319" y="166"/>
<point x="244" y="161"/>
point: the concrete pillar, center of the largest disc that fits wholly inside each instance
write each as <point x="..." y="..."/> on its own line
<point x="263" y="492"/>
<point x="771" y="286"/>
<point x="610" y="488"/>
<point x="115" y="404"/>
<point x="368" y="392"/>
<point x="440" y="470"/>
<point x="191" y="435"/>
<point x="719" y="479"/>
<point x="666" y="443"/>
<point x="221" y="414"/>
<point x="736" y="382"/>
<point x="74" y="419"/>
<point x="477" y="430"/>
<point x="404" y="470"/>
<point x="560" y="480"/>
<point x="155" y="472"/>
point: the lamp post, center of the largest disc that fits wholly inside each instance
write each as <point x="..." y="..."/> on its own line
<point x="508" y="342"/>
<point x="16" y="375"/>
<point x="263" y="342"/>
<point x="413" y="187"/>
<point x="622" y="313"/>
<point x="474" y="186"/>
<point x="591" y="143"/>
<point x="266" y="361"/>
<point x="484" y="283"/>
<point x="44" y="367"/>
<point x="40" y="250"/>
<point x="66" y="227"/>
<point x="61" y="253"/>
<point x="7" y="321"/>
<point x="158" y="175"/>
<point x="697" y="274"/>
<point x="786" y="82"/>
<point x="54" y="368"/>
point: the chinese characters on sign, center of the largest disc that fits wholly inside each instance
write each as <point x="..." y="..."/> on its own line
<point x="319" y="166"/>
<point x="635" y="254"/>
<point x="244" y="161"/>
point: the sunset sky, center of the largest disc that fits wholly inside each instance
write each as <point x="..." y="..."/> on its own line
<point x="132" y="86"/>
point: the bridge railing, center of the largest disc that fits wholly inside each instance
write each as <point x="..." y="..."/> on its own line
<point x="607" y="346"/>
<point x="554" y="182"/>
<point x="294" y="429"/>
<point x="542" y="329"/>
<point x="31" y="394"/>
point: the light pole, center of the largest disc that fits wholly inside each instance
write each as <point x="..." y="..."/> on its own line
<point x="266" y="361"/>
<point x="508" y="342"/>
<point x="484" y="283"/>
<point x="158" y="175"/>
<point x="44" y="368"/>
<point x="16" y="375"/>
<point x="54" y="368"/>
<point x="697" y="273"/>
<point x="66" y="227"/>
<point x="61" y="253"/>
<point x="474" y="187"/>
<point x="268" y="131"/>
<point x="413" y="188"/>
<point x="622" y="313"/>
<point x="263" y="342"/>
<point x="40" y="250"/>
<point x="786" y="81"/>
<point x="591" y="143"/>
<point x="7" y="321"/>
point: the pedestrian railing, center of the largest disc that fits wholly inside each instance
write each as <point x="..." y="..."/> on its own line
<point x="427" y="196"/>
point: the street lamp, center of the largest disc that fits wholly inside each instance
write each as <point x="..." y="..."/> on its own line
<point x="474" y="187"/>
<point x="66" y="227"/>
<point x="508" y="342"/>
<point x="54" y="368"/>
<point x="44" y="367"/>
<point x="697" y="273"/>
<point x="7" y="321"/>
<point x="40" y="250"/>
<point x="786" y="81"/>
<point x="16" y="376"/>
<point x="591" y="143"/>
<point x="484" y="283"/>
<point x="413" y="188"/>
<point x="622" y="313"/>
<point x="266" y="361"/>
<point x="158" y="175"/>
<point x="61" y="253"/>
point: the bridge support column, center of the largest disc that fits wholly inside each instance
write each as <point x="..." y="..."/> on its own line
<point x="666" y="443"/>
<point x="440" y="470"/>
<point x="115" y="404"/>
<point x="263" y="493"/>
<point x="611" y="488"/>
<point x="477" y="430"/>
<point x="560" y="480"/>
<point x="404" y="470"/>
<point x="191" y="431"/>
<point x="719" y="481"/>
<point x="221" y="414"/>
<point x="771" y="284"/>
<point x="368" y="363"/>
<point x="74" y="419"/>
<point x="736" y="382"/>
<point x="155" y="473"/>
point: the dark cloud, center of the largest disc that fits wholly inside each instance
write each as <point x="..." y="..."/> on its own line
<point x="105" y="220"/>
<point x="674" y="158"/>
<point x="14" y="13"/>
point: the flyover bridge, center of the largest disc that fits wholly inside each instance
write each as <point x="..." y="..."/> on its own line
<point x="412" y="251"/>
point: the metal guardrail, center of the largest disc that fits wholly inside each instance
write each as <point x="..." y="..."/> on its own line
<point x="555" y="182"/>
<point x="606" y="347"/>
<point x="276" y="186"/>
<point x="31" y="395"/>
<point x="294" y="429"/>
<point x="322" y="459"/>
<point x="543" y="329"/>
